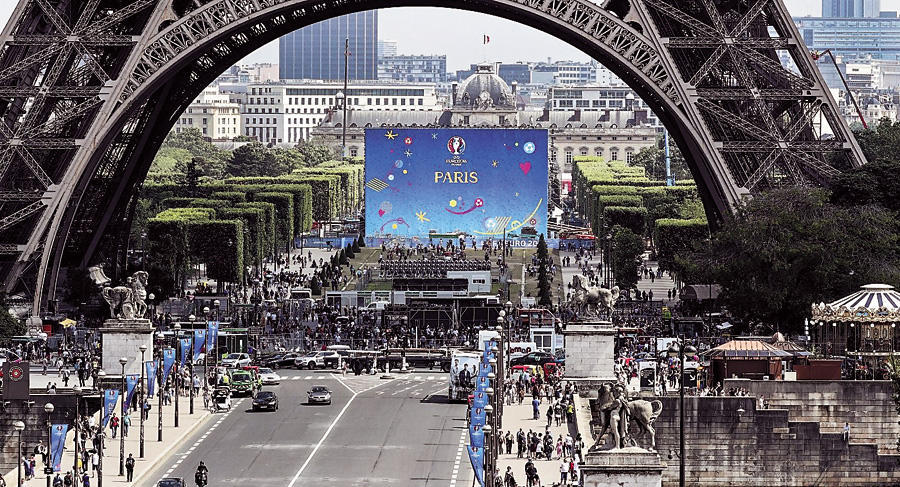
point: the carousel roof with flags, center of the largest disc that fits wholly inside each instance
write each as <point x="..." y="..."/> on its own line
<point x="873" y="302"/>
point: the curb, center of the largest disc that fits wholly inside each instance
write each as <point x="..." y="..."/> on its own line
<point x="151" y="465"/>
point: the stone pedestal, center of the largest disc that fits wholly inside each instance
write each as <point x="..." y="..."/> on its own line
<point x="590" y="350"/>
<point x="626" y="467"/>
<point x="123" y="338"/>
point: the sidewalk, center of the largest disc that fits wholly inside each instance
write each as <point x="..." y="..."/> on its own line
<point x="519" y="416"/>
<point x="154" y="451"/>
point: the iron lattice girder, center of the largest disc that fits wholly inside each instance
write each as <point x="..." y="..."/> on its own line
<point x="744" y="117"/>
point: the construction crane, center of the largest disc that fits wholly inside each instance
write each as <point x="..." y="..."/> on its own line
<point x="816" y="55"/>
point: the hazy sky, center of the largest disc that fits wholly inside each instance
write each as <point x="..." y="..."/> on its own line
<point x="414" y="29"/>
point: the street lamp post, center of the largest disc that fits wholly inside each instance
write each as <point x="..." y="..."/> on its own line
<point x="143" y="252"/>
<point x="159" y="393"/>
<point x="101" y="375"/>
<point x="216" y="304"/>
<point x="77" y="390"/>
<point x="191" y="365"/>
<point x="19" y="426"/>
<point x="681" y="350"/>
<point x="488" y="454"/>
<point x="142" y="348"/>
<point x="606" y="264"/>
<point x="178" y="372"/>
<point x="122" y="361"/>
<point x="48" y="408"/>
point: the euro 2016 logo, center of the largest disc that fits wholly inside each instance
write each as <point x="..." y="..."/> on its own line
<point x="456" y="145"/>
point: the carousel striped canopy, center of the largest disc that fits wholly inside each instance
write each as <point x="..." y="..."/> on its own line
<point x="873" y="302"/>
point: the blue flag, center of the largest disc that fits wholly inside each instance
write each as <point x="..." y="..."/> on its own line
<point x="168" y="362"/>
<point x="151" y="376"/>
<point x="479" y="415"/>
<point x="199" y="341"/>
<point x="476" y="435"/>
<point x="212" y="337"/>
<point x="476" y="457"/>
<point x="130" y="384"/>
<point x="185" y="349"/>
<point x="110" y="398"/>
<point x="57" y="442"/>
<point x="479" y="399"/>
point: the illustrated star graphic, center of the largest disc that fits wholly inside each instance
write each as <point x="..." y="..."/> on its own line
<point x="495" y="163"/>
<point x="408" y="153"/>
<point x="517" y="194"/>
<point x="421" y="216"/>
<point x="391" y="135"/>
<point x="434" y="136"/>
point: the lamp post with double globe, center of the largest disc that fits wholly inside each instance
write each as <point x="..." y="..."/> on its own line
<point x="122" y="361"/>
<point x="48" y="470"/>
<point x="142" y="348"/>
<point x="19" y="426"/>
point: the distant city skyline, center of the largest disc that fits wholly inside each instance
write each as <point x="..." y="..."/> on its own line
<point x="414" y="30"/>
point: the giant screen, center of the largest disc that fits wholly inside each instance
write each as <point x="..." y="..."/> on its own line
<point x="445" y="183"/>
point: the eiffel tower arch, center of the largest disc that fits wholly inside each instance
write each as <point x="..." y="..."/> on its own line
<point x="90" y="88"/>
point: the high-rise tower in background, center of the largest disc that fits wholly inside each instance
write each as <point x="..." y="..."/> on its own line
<point x="317" y="51"/>
<point x="856" y="9"/>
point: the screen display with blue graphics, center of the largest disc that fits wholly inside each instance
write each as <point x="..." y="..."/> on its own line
<point x="446" y="183"/>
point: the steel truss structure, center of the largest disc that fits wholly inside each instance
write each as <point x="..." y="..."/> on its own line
<point x="89" y="89"/>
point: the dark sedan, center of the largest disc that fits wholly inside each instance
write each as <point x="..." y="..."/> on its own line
<point x="280" y="360"/>
<point x="533" y="358"/>
<point x="265" y="400"/>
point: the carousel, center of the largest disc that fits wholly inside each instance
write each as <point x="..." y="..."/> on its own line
<point x="860" y="327"/>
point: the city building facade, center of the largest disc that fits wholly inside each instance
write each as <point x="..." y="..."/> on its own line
<point x="317" y="51"/>
<point x="851" y="8"/>
<point x="284" y="113"/>
<point x="413" y="69"/>
<point x="878" y="38"/>
<point x="214" y="113"/>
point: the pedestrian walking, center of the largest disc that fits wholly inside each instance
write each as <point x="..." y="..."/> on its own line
<point x="126" y="423"/>
<point x="563" y="471"/>
<point x="846" y="434"/>
<point x="114" y="424"/>
<point x="129" y="467"/>
<point x="536" y="408"/>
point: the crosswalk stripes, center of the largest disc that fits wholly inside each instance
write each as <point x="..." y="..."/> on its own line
<point x="419" y="378"/>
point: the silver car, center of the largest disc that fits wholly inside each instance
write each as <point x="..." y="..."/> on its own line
<point x="319" y="395"/>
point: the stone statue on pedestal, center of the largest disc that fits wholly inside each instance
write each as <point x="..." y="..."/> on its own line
<point x="615" y="411"/>
<point x="587" y="299"/>
<point x="127" y="302"/>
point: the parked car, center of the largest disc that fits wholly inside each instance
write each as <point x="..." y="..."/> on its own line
<point x="265" y="400"/>
<point x="236" y="360"/>
<point x="311" y="360"/>
<point x="533" y="358"/>
<point x="280" y="360"/>
<point x="331" y="359"/>
<point x="268" y="376"/>
<point x="319" y="395"/>
<point x="171" y="482"/>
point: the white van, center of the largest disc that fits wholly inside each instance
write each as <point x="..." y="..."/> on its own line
<point x="377" y="305"/>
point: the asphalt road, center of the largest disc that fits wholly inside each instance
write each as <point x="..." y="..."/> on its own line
<point x="397" y="432"/>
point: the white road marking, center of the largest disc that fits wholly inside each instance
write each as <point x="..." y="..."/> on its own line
<point x="462" y="444"/>
<point x="327" y="432"/>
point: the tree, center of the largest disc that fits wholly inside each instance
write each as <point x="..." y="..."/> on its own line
<point x="543" y="255"/>
<point x="627" y="248"/>
<point x="790" y="248"/>
<point x="256" y="160"/>
<point x="874" y="183"/>
<point x="10" y="325"/>
<point x="193" y="141"/>
<point x="356" y="246"/>
<point x="361" y="242"/>
<point x="653" y="160"/>
<point x="880" y="142"/>
<point x="313" y="152"/>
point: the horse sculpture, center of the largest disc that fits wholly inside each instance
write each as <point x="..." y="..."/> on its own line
<point x="127" y="302"/>
<point x="588" y="299"/>
<point x="119" y="299"/>
<point x="616" y="411"/>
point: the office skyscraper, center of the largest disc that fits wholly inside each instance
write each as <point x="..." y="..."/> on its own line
<point x="317" y="51"/>
<point x="855" y="9"/>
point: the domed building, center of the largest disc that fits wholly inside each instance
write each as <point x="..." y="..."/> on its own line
<point x="484" y="99"/>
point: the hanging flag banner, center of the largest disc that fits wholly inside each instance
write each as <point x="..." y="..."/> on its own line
<point x="476" y="435"/>
<point x="185" y="348"/>
<point x="110" y="398"/>
<point x="57" y="442"/>
<point x="212" y="337"/>
<point x="199" y="341"/>
<point x="130" y="386"/>
<point x="479" y="399"/>
<point x="479" y="415"/>
<point x="168" y="362"/>
<point x="150" y="365"/>
<point x="487" y="39"/>
<point x="476" y="457"/>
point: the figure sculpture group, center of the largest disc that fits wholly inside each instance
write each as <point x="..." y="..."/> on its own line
<point x="587" y="299"/>
<point x="127" y="302"/>
<point x="616" y="411"/>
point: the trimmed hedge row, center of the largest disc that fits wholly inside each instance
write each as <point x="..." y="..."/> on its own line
<point x="674" y="236"/>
